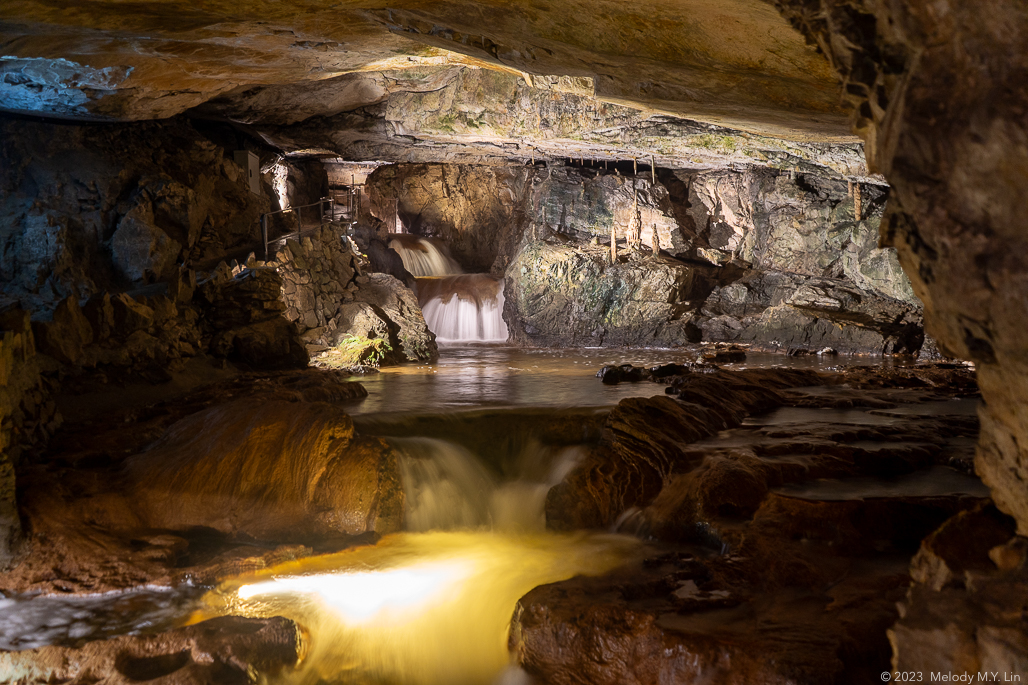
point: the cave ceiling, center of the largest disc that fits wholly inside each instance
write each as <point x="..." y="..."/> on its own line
<point x="694" y="83"/>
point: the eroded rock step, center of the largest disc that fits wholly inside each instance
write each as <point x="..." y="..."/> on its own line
<point x="795" y="512"/>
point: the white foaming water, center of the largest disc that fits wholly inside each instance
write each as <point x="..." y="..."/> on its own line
<point x="447" y="488"/>
<point x="461" y="309"/>
<point x="422" y="257"/>
<point x="444" y="485"/>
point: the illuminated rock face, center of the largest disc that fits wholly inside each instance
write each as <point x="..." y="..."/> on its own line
<point x="278" y="470"/>
<point x="957" y="157"/>
<point x="735" y="64"/>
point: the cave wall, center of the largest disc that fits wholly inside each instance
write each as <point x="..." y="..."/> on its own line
<point x="28" y="417"/>
<point x="771" y="258"/>
<point x="306" y="182"/>
<point x="938" y="94"/>
<point x="476" y="210"/>
<point x="86" y="208"/>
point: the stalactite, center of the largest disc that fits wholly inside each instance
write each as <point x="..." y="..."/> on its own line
<point x="849" y="188"/>
<point x="653" y="171"/>
<point x="635" y="166"/>
<point x="613" y="243"/>
<point x="856" y="202"/>
<point x="655" y="241"/>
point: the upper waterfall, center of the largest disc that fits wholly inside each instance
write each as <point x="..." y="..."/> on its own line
<point x="422" y="256"/>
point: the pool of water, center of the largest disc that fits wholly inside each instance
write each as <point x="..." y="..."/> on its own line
<point x="486" y="376"/>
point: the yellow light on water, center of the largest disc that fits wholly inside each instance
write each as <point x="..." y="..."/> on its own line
<point x="391" y="596"/>
<point x="416" y="608"/>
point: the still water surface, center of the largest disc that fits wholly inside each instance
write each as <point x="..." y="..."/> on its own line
<point x="485" y="376"/>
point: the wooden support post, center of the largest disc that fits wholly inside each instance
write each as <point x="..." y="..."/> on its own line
<point x="613" y="243"/>
<point x="856" y="202"/>
<point x="653" y="171"/>
<point x="635" y="166"/>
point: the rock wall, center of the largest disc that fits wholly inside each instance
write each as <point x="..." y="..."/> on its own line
<point x="88" y="208"/>
<point x="757" y="256"/>
<point x="28" y="417"/>
<point x="476" y="210"/>
<point x="329" y="297"/>
<point x="938" y="96"/>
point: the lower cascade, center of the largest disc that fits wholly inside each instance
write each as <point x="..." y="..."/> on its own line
<point x="465" y="308"/>
<point x="430" y="606"/>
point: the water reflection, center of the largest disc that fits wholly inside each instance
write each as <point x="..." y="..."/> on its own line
<point x="486" y="376"/>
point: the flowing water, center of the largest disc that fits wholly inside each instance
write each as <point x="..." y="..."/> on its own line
<point x="481" y="435"/>
<point x="417" y="609"/>
<point x="458" y="307"/>
<point x="463" y="309"/>
<point x="423" y="256"/>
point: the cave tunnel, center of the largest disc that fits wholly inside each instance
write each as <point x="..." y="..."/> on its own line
<point x="467" y="343"/>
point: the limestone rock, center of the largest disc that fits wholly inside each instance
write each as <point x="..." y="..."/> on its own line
<point x="176" y="209"/>
<point x="385" y="308"/>
<point x="643" y="443"/>
<point x="274" y="471"/>
<point x="141" y="251"/>
<point x="570" y="295"/>
<point x="229" y="649"/>
<point x="64" y="337"/>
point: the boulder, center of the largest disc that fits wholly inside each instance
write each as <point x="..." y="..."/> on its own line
<point x="142" y="252"/>
<point x="385" y="308"/>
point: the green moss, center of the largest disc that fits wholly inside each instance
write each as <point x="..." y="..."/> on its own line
<point x="358" y="350"/>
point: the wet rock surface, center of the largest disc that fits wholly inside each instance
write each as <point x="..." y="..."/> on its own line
<point x="279" y="470"/>
<point x="225" y="650"/>
<point x="797" y="500"/>
<point x="88" y="530"/>
<point x="759" y="257"/>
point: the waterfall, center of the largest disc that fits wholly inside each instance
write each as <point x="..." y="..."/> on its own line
<point x="465" y="308"/>
<point x="447" y="488"/>
<point x="422" y="256"/>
